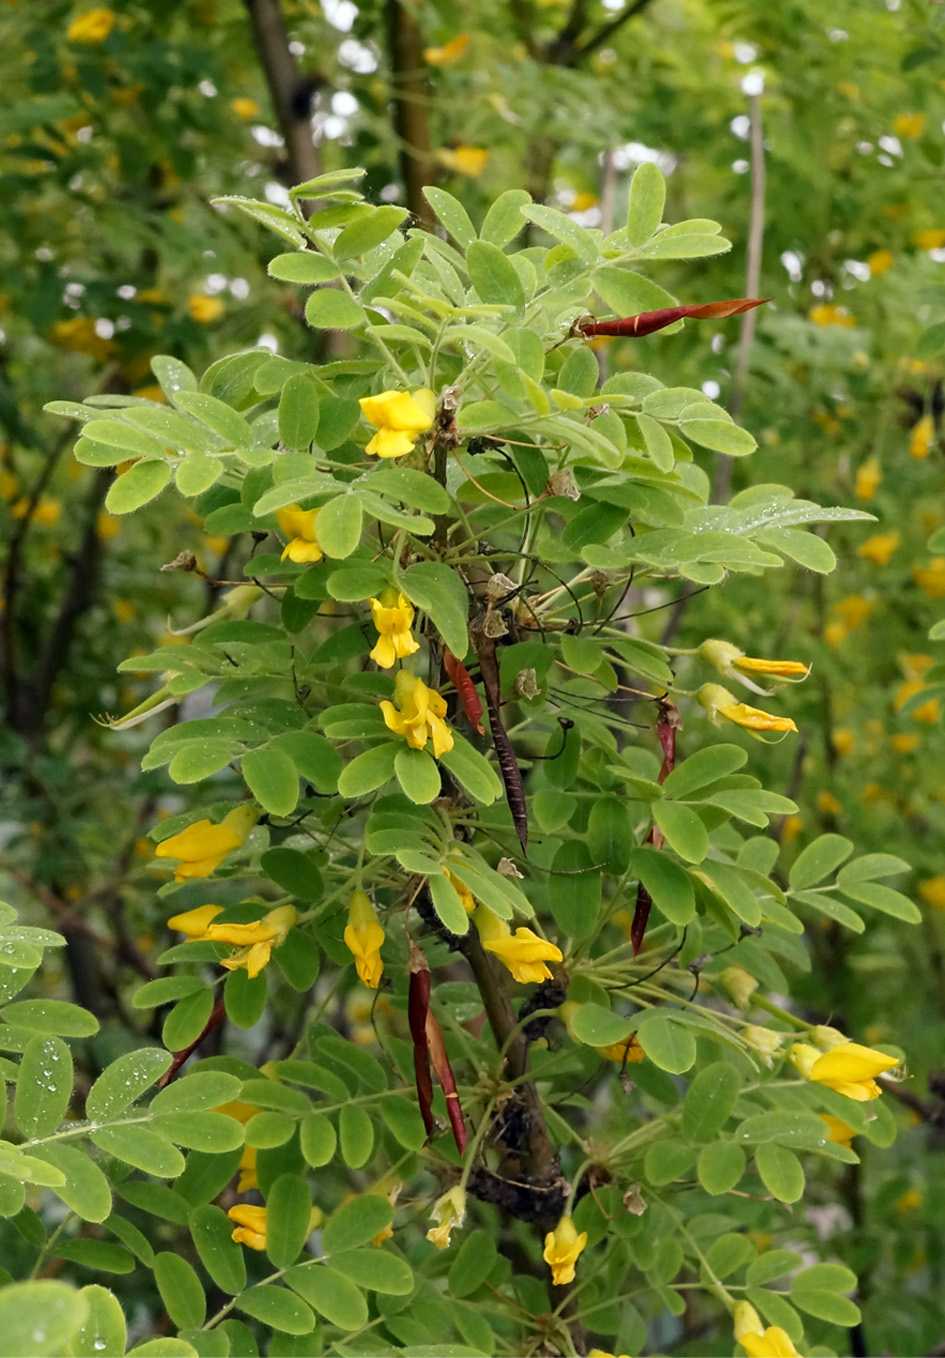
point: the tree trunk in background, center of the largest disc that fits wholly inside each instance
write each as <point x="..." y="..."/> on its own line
<point x="411" y="117"/>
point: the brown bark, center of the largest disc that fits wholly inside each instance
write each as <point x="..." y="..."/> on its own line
<point x="290" y="91"/>
<point x="411" y="109"/>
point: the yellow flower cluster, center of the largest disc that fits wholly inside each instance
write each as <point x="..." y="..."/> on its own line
<point x="922" y="438"/>
<point x="840" y="1064"/>
<point x="879" y="548"/>
<point x="91" y="28"/>
<point x="254" y="942"/>
<point x="393" y="616"/>
<point x="202" y="847"/>
<point x="418" y="716"/>
<point x="719" y="703"/>
<point x="205" y="310"/>
<point x="399" y="418"/>
<point x="829" y="314"/>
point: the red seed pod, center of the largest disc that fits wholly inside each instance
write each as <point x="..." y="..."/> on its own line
<point x="647" y="322"/>
<point x="468" y="693"/>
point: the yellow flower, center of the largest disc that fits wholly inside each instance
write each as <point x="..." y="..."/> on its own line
<point x="931" y="578"/>
<point x="932" y="239"/>
<point x="740" y="984"/>
<point x="909" y="126"/>
<point x="880" y="262"/>
<point x="719" y="703"/>
<point x="465" y="895"/>
<point x="299" y="527"/>
<point x="195" y="923"/>
<point x="523" y="953"/>
<point x="731" y="661"/>
<point x="628" y="1052"/>
<point x="92" y="27"/>
<point x="928" y="712"/>
<point x="847" y="1068"/>
<point x="241" y="1112"/>
<point x="392" y="618"/>
<point x="205" y="310"/>
<point x="421" y="714"/>
<point x="449" y="53"/>
<point x="245" y="108"/>
<point x="391" y="1190"/>
<point x="399" y="417"/>
<point x="909" y="1201"/>
<point x="600" y="1353"/>
<point x="879" y="548"/>
<point x="757" y="1341"/>
<point x="562" y="1247"/>
<point x="448" y="1212"/>
<point x="835" y="633"/>
<point x="828" y="314"/>
<point x="854" y="610"/>
<point x="364" y="938"/>
<point x="827" y="803"/>
<point x="203" y="846"/>
<point x="838" y="1131"/>
<point x="467" y="160"/>
<point x="79" y="336"/>
<point x="248" y="1178"/>
<point x="904" y="744"/>
<point x="848" y="90"/>
<point x="932" y="891"/>
<point x="922" y="438"/>
<point x="255" y="941"/>
<point x="764" y="1041"/>
<point x="250" y="1225"/>
<point x="46" y="511"/>
<point x="842" y="741"/>
<point x="791" y="828"/>
<point x="868" y="478"/>
<point x="107" y="526"/>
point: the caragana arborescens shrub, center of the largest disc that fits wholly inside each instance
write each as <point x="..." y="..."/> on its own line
<point x="477" y="901"/>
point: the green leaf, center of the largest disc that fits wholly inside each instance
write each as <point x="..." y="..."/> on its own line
<point x="818" y="1290"/>
<point x="164" y="1348"/>
<point x="232" y="427"/>
<point x="141" y="1148"/>
<point x="574" y="892"/>
<point x="598" y="1027"/>
<point x="628" y="293"/>
<point x="610" y="835"/>
<point x="657" y="441"/>
<point x="493" y="275"/>
<point x="137" y="486"/>
<point x="86" y="1190"/>
<point x="197" y="1092"/>
<point x="473" y="1264"/>
<point x="403" y="1120"/>
<point x="294" y="871"/>
<point x="645" y="209"/>
<point x="356" y="1134"/>
<point x="317" y="761"/>
<point x="288" y="1219"/>
<point x="447" y="904"/>
<point x="187" y="1020"/>
<point x="710" y="1100"/>
<point x="720" y="1166"/>
<point x="303" y="267"/>
<point x="884" y="899"/>
<point x="472" y="771"/>
<point x="418" y="775"/>
<point x="667" y="1043"/>
<point x="52" y="1016"/>
<point x="504" y="219"/>
<point x="727" y="1253"/>
<point x="198" y="759"/>
<point x="376" y="1270"/>
<point x="181" y="1290"/>
<point x="100" y="1255"/>
<point x="133" y="442"/>
<point x="103" y="1333"/>
<point x="214" y="1133"/>
<point x="452" y="214"/>
<point x="780" y="1171"/>
<point x="39" y="1318"/>
<point x="818" y="861"/>
<point x="683" y="829"/>
<point x="368" y="771"/>
<point x="770" y="1265"/>
<point x="667" y="1160"/>
<point x="702" y="768"/>
<point x="563" y="228"/>
<point x="273" y="780"/>
<point x="339" y="526"/>
<point x="329" y="309"/>
<point x="317" y="1139"/>
<point x="332" y="1295"/>
<point x="197" y="473"/>
<point x="669" y="885"/>
<point x="44" y="1087"/>
<point x="356" y="1222"/>
<point x="368" y="231"/>
<point x="278" y="1308"/>
<point x="220" y="1255"/>
<point x="440" y="592"/>
<point x="807" y="549"/>
<point x="864" y="869"/>
<point x="720" y="435"/>
<point x="298" y="412"/>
